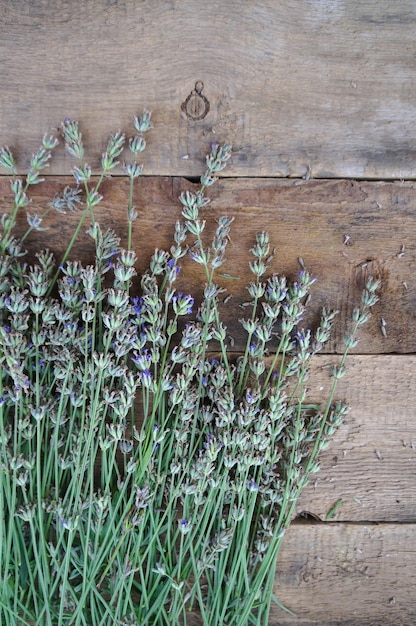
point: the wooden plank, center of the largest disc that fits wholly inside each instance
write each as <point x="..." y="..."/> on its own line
<point x="370" y="464"/>
<point x="312" y="220"/>
<point x="322" y="89"/>
<point x="347" y="575"/>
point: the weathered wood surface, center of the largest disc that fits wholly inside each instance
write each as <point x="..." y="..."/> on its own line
<point x="344" y="231"/>
<point x="347" y="575"/>
<point x="371" y="462"/>
<point x="321" y="89"/>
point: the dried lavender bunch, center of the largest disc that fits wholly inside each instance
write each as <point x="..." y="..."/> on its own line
<point x="141" y="476"/>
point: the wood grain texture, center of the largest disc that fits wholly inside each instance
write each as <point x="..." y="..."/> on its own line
<point x="347" y="575"/>
<point x="310" y="221"/>
<point x="321" y="89"/>
<point x="370" y="464"/>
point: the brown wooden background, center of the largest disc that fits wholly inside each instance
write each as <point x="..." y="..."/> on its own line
<point x="318" y="99"/>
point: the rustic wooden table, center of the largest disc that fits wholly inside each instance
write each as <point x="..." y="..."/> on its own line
<point x="318" y="101"/>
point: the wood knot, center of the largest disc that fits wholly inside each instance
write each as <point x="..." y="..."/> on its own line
<point x="196" y="105"/>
